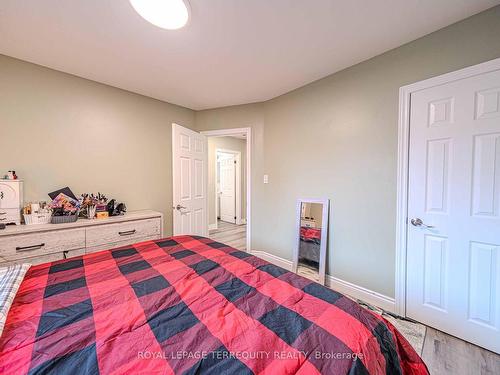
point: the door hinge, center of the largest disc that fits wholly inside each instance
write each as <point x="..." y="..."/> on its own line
<point x="235" y="162"/>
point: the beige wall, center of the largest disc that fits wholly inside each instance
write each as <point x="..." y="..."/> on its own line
<point x="226" y="143"/>
<point x="58" y="130"/>
<point x="337" y="138"/>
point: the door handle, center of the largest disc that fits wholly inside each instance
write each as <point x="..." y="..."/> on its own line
<point x="417" y="222"/>
<point x="179" y="207"/>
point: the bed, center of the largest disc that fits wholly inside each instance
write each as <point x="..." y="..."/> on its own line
<point x="310" y="245"/>
<point x="189" y="305"/>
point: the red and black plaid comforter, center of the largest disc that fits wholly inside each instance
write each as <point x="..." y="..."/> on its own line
<point x="310" y="234"/>
<point x="190" y="305"/>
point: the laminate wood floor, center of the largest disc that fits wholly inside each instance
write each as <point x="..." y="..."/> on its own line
<point x="230" y="234"/>
<point x="445" y="354"/>
<point x="442" y="353"/>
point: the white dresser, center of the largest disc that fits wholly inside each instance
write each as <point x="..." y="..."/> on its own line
<point x="37" y="244"/>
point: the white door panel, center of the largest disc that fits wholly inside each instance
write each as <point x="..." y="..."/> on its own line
<point x="227" y="186"/>
<point x="189" y="158"/>
<point x="453" y="269"/>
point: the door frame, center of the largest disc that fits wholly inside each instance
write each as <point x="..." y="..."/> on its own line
<point x="248" y="135"/>
<point x="237" y="187"/>
<point x="403" y="167"/>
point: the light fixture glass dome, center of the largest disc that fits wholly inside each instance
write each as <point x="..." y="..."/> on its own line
<point x="167" y="14"/>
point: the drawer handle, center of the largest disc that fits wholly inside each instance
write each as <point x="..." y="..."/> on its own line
<point x="127" y="233"/>
<point x="28" y="248"/>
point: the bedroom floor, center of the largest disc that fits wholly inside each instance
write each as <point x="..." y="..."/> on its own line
<point x="230" y="234"/>
<point x="445" y="354"/>
<point x="442" y="353"/>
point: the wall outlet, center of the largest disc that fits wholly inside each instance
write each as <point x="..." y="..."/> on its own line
<point x="266" y="179"/>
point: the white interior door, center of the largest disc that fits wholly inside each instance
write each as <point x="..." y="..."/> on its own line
<point x="189" y="158"/>
<point x="227" y="186"/>
<point x="453" y="264"/>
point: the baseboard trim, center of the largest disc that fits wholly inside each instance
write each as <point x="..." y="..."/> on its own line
<point x="212" y="226"/>
<point x="361" y="293"/>
<point x="280" y="262"/>
<point x="342" y="286"/>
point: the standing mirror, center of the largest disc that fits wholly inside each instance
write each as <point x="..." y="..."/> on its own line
<point x="309" y="258"/>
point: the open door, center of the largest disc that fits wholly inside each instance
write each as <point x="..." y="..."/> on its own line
<point x="189" y="162"/>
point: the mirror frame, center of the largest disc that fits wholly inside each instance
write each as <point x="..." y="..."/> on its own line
<point x="324" y="235"/>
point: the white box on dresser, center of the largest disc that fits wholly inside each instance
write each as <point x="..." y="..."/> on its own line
<point x="11" y="201"/>
<point x="37" y="244"/>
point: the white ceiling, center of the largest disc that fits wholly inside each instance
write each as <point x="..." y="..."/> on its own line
<point x="232" y="51"/>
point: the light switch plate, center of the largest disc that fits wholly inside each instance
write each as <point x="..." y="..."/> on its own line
<point x="266" y="179"/>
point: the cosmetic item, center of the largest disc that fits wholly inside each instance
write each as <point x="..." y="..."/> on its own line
<point x="101" y="207"/>
<point x="35" y="208"/>
<point x="115" y="209"/>
<point x="91" y="212"/>
<point x="102" y="215"/>
<point x="27" y="209"/>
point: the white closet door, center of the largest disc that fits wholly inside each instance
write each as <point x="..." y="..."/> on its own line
<point x="453" y="254"/>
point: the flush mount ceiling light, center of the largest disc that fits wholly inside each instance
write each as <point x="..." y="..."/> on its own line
<point x="167" y="14"/>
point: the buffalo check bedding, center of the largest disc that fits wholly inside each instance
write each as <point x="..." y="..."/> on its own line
<point x="189" y="305"/>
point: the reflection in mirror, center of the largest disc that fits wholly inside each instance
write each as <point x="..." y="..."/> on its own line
<point x="312" y="220"/>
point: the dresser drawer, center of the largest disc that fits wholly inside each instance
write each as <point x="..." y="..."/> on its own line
<point x="130" y="231"/>
<point x="40" y="244"/>
<point x="10" y="215"/>
<point x="36" y="259"/>
<point x="46" y="258"/>
<point x="113" y="245"/>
